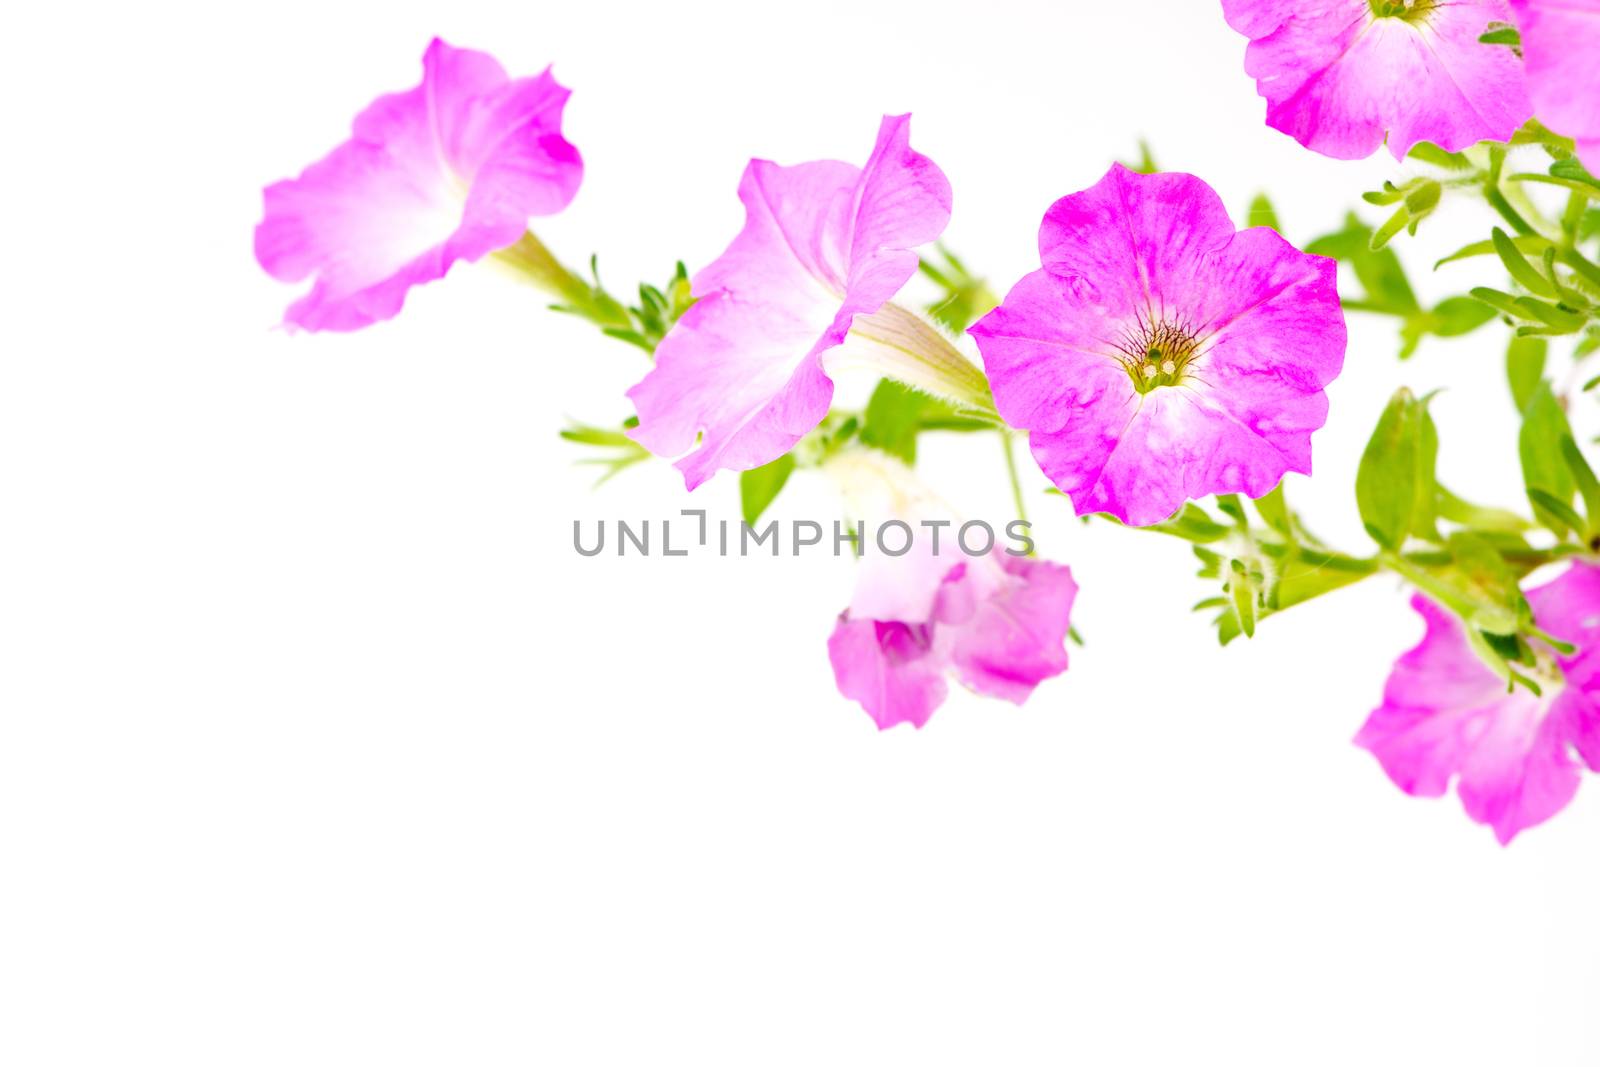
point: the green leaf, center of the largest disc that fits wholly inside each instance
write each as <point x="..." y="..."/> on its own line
<point x="1502" y="302"/>
<point x="1300" y="580"/>
<point x="1545" y="471"/>
<point x="1583" y="474"/>
<point x="1523" y="271"/>
<point x="1191" y="524"/>
<point x="1390" y="229"/>
<point x="760" y="487"/>
<point x="1242" y="591"/>
<point x="1380" y="273"/>
<point x="1531" y="244"/>
<point x="1425" y="152"/>
<point x="1459" y="315"/>
<point x="1490" y="583"/>
<point x="1501" y="33"/>
<point x="1573" y="169"/>
<point x="1484" y="520"/>
<point x="893" y="419"/>
<point x="1262" y="213"/>
<point x="1274" y="511"/>
<point x="1395" y="488"/>
<point x="1525" y="358"/>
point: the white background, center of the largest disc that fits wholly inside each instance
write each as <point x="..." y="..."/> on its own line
<point x="321" y="746"/>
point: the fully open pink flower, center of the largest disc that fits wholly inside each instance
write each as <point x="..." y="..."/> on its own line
<point x="1160" y="355"/>
<point x="452" y="169"/>
<point x="1340" y="75"/>
<point x="1561" y="46"/>
<point x="740" y="378"/>
<point x="1446" y="714"/>
<point x="996" y="622"/>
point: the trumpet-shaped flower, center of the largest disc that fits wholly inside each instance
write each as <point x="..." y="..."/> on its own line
<point x="1446" y="714"/>
<point x="1340" y="76"/>
<point x="1561" y="46"/>
<point x="1160" y="355"/>
<point x="450" y="170"/>
<point x="741" y="378"/>
<point x="997" y="623"/>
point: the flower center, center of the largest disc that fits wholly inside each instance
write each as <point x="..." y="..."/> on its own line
<point x="1410" y="10"/>
<point x="1157" y="353"/>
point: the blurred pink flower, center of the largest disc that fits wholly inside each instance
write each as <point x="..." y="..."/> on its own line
<point x="740" y="378"/>
<point x="1159" y="355"/>
<point x="995" y="622"/>
<point x="1561" y="47"/>
<point x="1446" y="714"/>
<point x="1341" y="75"/>
<point x="450" y="170"/>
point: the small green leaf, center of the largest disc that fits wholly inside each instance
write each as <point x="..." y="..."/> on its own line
<point x="1432" y="154"/>
<point x="1380" y="273"/>
<point x="1262" y="213"/>
<point x="1274" y="511"/>
<point x="1523" y="271"/>
<point x="1531" y="244"/>
<point x="1395" y="488"/>
<point x="1459" y="315"/>
<point x="1525" y="358"/>
<point x="1390" y="229"/>
<point x="1192" y="524"/>
<point x="893" y="418"/>
<point x="760" y="487"/>
<point x="1242" y="590"/>
<point x="1588" y="486"/>
<point x="1545" y="470"/>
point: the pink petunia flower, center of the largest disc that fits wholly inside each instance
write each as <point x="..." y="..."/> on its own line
<point x="825" y="245"/>
<point x="451" y="170"/>
<point x="1446" y="714"/>
<point x="1561" y="47"/>
<point x="1341" y="75"/>
<point x="995" y="622"/>
<point x="1161" y="356"/>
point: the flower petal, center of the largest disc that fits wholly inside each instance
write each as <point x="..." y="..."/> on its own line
<point x="1561" y="49"/>
<point x="1339" y="80"/>
<point x="739" y="379"/>
<point x="887" y="668"/>
<point x="449" y="170"/>
<point x="1016" y="636"/>
<point x="1446" y="713"/>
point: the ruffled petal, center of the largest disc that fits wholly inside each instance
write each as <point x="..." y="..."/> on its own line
<point x="1016" y="636"/>
<point x="1339" y="80"/>
<point x="739" y="379"/>
<point x="449" y="170"/>
<point x="1561" y="49"/>
<point x="889" y="669"/>
<point x="1446" y="714"/>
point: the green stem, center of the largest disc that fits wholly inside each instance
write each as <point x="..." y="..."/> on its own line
<point x="536" y="264"/>
<point x="1011" y="471"/>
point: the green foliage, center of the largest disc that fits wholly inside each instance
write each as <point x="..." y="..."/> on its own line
<point x="1554" y="470"/>
<point x="617" y="450"/>
<point x="1395" y="486"/>
<point x="966" y="297"/>
<point x="1525" y="360"/>
<point x="758" y="488"/>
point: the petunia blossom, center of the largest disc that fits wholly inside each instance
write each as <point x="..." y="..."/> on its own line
<point x="1515" y="754"/>
<point x="1561" y="47"/>
<point x="825" y="245"/>
<point x="1341" y="76"/>
<point x="1160" y="355"/>
<point x="995" y="622"/>
<point x="450" y="170"/>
